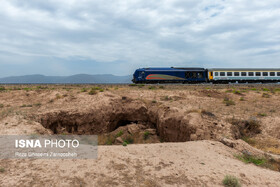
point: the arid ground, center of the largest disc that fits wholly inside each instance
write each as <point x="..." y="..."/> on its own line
<point x="149" y="135"/>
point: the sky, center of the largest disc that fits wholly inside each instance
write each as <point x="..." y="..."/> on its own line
<point x="69" y="37"/>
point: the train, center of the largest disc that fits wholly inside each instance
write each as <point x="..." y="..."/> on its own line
<point x="192" y="75"/>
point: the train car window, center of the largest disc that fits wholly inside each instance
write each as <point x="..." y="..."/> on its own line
<point x="251" y="74"/>
<point x="265" y="73"/>
<point x="200" y="75"/>
<point x="243" y="74"/>
<point x="229" y="73"/>
<point x="194" y="75"/>
<point x="258" y="73"/>
<point x="278" y="74"/>
<point x="216" y="73"/>
<point x="272" y="73"/>
<point x="236" y="73"/>
<point x="222" y="74"/>
<point x="188" y="75"/>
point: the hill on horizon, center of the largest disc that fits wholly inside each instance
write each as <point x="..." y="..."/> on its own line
<point x="73" y="79"/>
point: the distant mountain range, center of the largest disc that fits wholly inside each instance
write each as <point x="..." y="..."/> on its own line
<point x="74" y="79"/>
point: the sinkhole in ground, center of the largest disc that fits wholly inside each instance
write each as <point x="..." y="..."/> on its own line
<point x="166" y="124"/>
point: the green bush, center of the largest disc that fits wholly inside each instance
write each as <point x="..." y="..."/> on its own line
<point x="262" y="114"/>
<point x="2" y="170"/>
<point x="146" y="135"/>
<point x="129" y="140"/>
<point x="92" y="92"/>
<point x="231" y="181"/>
<point x="132" y="85"/>
<point x="251" y="159"/>
<point x="124" y="144"/>
<point x="109" y="141"/>
<point x="24" y="105"/>
<point x="120" y="133"/>
<point x="83" y="90"/>
<point x="237" y="92"/>
<point x="2" y="88"/>
<point x="265" y="89"/>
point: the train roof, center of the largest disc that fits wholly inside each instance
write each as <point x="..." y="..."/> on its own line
<point x="244" y="69"/>
<point x="173" y="68"/>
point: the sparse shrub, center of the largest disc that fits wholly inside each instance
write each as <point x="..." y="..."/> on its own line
<point x="265" y="95"/>
<point x="42" y="87"/>
<point x="249" y="140"/>
<point x="51" y="101"/>
<point x="120" y="133"/>
<point x="228" y="102"/>
<point x="231" y="181"/>
<point x="242" y="99"/>
<point x="1" y="106"/>
<point x="146" y="135"/>
<point x="140" y="85"/>
<point x="129" y="140"/>
<point x="92" y="92"/>
<point x="96" y="88"/>
<point x="24" y="105"/>
<point x="154" y="101"/>
<point x="161" y="87"/>
<point x="2" y="170"/>
<point x="101" y="90"/>
<point x="248" y="158"/>
<point x="152" y="87"/>
<point x="124" y="144"/>
<point x="204" y="112"/>
<point x="16" y="88"/>
<point x="109" y="141"/>
<point x="245" y="128"/>
<point x="83" y="90"/>
<point x="237" y="92"/>
<point x="262" y="114"/>
<point x="116" y="88"/>
<point x="27" y="89"/>
<point x="132" y="85"/>
<point x="166" y="98"/>
<point x="254" y="89"/>
<point x="265" y="89"/>
<point x="57" y="96"/>
<point x="2" y="88"/>
<point x="37" y="104"/>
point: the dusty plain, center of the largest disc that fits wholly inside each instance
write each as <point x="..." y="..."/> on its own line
<point x="149" y="135"/>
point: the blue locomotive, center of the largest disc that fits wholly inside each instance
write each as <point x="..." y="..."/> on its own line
<point x="202" y="75"/>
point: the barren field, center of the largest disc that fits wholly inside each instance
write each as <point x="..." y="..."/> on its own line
<point x="149" y="135"/>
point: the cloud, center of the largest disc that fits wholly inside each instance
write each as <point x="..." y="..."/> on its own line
<point x="119" y="35"/>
